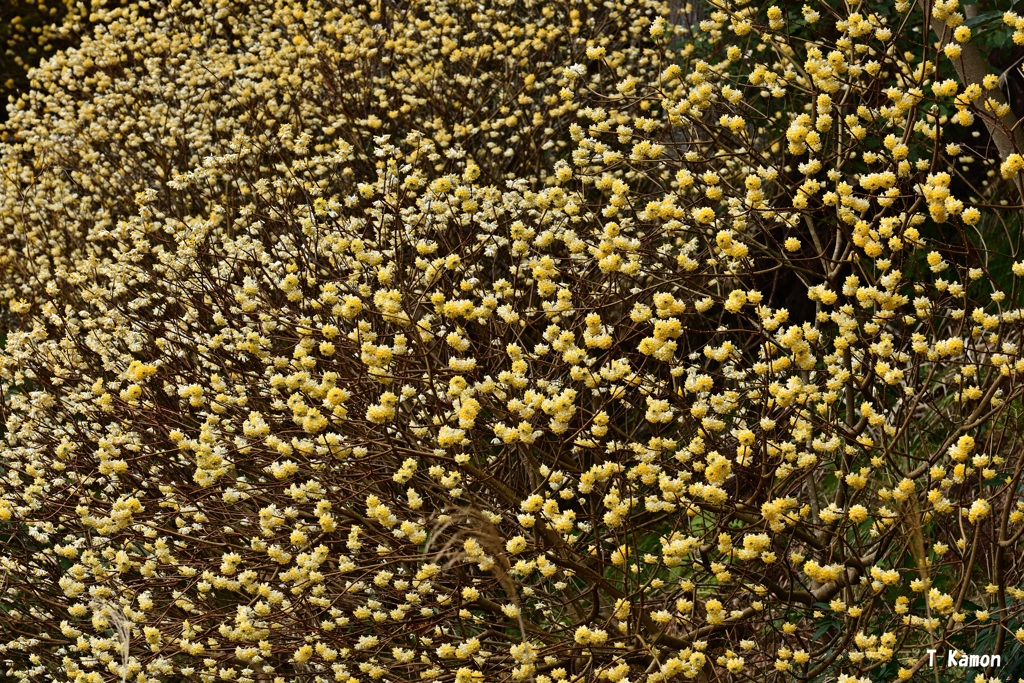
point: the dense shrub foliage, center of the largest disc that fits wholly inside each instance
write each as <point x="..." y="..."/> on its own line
<point x="511" y="341"/>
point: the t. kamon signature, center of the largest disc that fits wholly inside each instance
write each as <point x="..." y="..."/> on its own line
<point x="964" y="661"/>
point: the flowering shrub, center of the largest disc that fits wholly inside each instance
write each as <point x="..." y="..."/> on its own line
<point x="31" y="30"/>
<point x="508" y="342"/>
